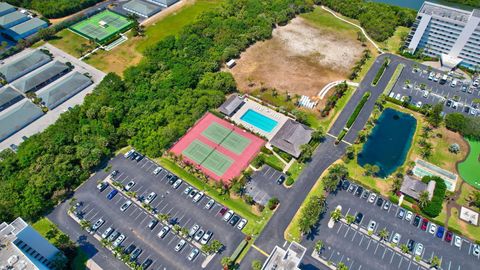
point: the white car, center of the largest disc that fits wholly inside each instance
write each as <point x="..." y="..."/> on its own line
<point x="157" y="170"/>
<point x="198" y="197"/>
<point x="409" y="216"/>
<point x="107" y="232"/>
<point x="398" y="96"/>
<point x="129" y="185"/>
<point x="187" y="190"/>
<point x="228" y="215"/>
<point x="129" y="153"/>
<point x="433" y="228"/>
<point x="193" y="230"/>
<point x="476" y="250"/>
<point x="396" y="238"/>
<point x="372" y="198"/>
<point x="209" y="204"/>
<point x="454" y="83"/>
<point x="125" y="205"/>
<point x="192" y="254"/>
<point x="180" y="245"/>
<point x="458" y="241"/>
<point x="242" y="224"/>
<point x="419" y="249"/>
<point x="392" y="94"/>
<point x="150" y="197"/>
<point x="419" y="104"/>
<point x="206" y="237"/>
<point x="119" y="240"/>
<point x="425" y="93"/>
<point x="163" y="232"/>
<point x="371" y="225"/>
<point x="177" y="183"/>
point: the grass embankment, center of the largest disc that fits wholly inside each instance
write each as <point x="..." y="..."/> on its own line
<point x="470" y="168"/>
<point x="69" y="42"/>
<point x="43" y="226"/>
<point x="394" y="43"/>
<point x="255" y="222"/>
<point x="380" y="72"/>
<point x="394" y="79"/>
<point x="322" y="19"/>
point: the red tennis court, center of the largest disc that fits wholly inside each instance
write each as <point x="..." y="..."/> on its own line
<point x="220" y="149"/>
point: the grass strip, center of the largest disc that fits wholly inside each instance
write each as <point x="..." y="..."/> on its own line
<point x="239" y="250"/>
<point x="357" y="110"/>
<point x="380" y="72"/>
<point x="341" y="135"/>
<point x="394" y="79"/>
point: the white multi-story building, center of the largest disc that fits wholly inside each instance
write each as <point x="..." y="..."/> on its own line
<point x="21" y="247"/>
<point x="451" y="34"/>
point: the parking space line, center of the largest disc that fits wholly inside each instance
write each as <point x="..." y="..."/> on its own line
<point x="361" y="240"/>
<point x="134" y="209"/>
<point x="400" y="263"/>
<point x="384" y="251"/>
<point x="339" y="227"/>
<point x="369" y="243"/>
<point x="375" y="252"/>
<point x="393" y="255"/>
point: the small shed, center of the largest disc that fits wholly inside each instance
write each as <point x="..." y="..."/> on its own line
<point x="231" y="63"/>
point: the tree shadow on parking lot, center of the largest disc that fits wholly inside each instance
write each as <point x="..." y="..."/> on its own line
<point x="86" y="246"/>
<point x="315" y="230"/>
<point x="308" y="267"/>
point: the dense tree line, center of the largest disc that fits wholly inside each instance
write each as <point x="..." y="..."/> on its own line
<point x="54" y="8"/>
<point x="468" y="126"/>
<point x="155" y="103"/>
<point x="434" y="207"/>
<point x="472" y="3"/>
<point x="378" y="19"/>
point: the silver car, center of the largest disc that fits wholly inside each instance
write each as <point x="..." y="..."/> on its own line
<point x="119" y="240"/>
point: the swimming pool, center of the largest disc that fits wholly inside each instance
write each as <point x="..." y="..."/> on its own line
<point x="259" y="120"/>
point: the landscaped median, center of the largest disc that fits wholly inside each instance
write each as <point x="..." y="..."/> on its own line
<point x="380" y="72"/>
<point x="394" y="78"/>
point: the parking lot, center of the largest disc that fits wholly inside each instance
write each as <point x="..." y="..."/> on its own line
<point x="263" y="185"/>
<point x="423" y="88"/>
<point x="133" y="221"/>
<point x="358" y="250"/>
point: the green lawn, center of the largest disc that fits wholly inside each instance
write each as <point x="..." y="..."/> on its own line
<point x="274" y="162"/>
<point x="172" y="24"/>
<point x="469" y="169"/>
<point x="394" y="43"/>
<point x="295" y="170"/>
<point x="69" y="42"/>
<point x="324" y="20"/>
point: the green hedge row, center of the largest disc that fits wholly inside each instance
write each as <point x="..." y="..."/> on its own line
<point x="380" y="72"/>
<point x="239" y="250"/>
<point x="359" y="107"/>
<point x="434" y="207"/>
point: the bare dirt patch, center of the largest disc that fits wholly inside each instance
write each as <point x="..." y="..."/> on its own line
<point x="299" y="58"/>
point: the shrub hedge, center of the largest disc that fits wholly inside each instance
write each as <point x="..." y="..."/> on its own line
<point x="434" y="207"/>
<point x="359" y="107"/>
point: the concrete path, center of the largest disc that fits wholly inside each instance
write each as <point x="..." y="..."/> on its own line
<point x="329" y="86"/>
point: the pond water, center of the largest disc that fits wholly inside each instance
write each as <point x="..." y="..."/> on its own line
<point x="416" y="4"/>
<point x="388" y="144"/>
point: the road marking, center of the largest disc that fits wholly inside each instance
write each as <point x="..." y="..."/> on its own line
<point x="260" y="250"/>
<point x="369" y="243"/>
<point x="361" y="241"/>
<point x="384" y="252"/>
<point x="346" y="232"/>
<point x="375" y="252"/>
<point x="393" y="255"/>
<point x="339" y="227"/>
<point x="400" y="263"/>
<point x="355" y="234"/>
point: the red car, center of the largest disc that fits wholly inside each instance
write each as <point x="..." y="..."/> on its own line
<point x="424" y="224"/>
<point x="448" y="237"/>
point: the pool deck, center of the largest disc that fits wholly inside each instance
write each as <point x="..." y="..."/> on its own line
<point x="250" y="104"/>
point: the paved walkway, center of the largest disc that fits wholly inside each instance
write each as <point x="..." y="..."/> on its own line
<point x="329" y="86"/>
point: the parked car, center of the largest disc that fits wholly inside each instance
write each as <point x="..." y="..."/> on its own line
<point x="419" y="249"/>
<point x="177" y="183"/>
<point x="379" y="202"/>
<point x="234" y="220"/>
<point x="458" y="241"/>
<point x="152" y="224"/>
<point x="172" y="180"/>
<point x="129" y="249"/>
<point x="423" y="227"/>
<point x="102" y="186"/>
<point x="358" y="218"/>
<point x="107" y="232"/>
<point x="113" y="174"/>
<point x="193" y="230"/>
<point x="416" y="220"/>
<point x="125" y="205"/>
<point x="448" y="236"/>
<point x="448" y="103"/>
<point x="97" y="224"/>
<point x="180" y="245"/>
<point x="242" y="224"/>
<point x="206" y="237"/>
<point x="119" y="240"/>
<point x="223" y="211"/>
<point x="129" y="185"/>
<point x="150" y="197"/>
<point x="129" y="153"/>
<point x="410" y="245"/>
<point x="209" y="204"/>
<point x="396" y="238"/>
<point x="198" y="197"/>
<point x="418" y="104"/>
<point x="138" y="158"/>
<point x="371" y="225"/>
<point x="409" y="216"/>
<point x="433" y="228"/>
<point x="365" y="194"/>
<point x="192" y="193"/>
<point x="345" y="184"/>
<point x="386" y="206"/>
<point x="228" y="215"/>
<point x="157" y="170"/>
<point x="192" y="254"/>
<point x="112" y="194"/>
<point x="440" y="232"/>
<point x="351" y="188"/>
<point x="187" y="190"/>
<point x="146" y="264"/>
<point x="476" y="250"/>
<point x="199" y="235"/>
<point x="135" y="254"/>
<point x="281" y="179"/>
<point x="359" y="191"/>
<point x="163" y="231"/>
<point x="401" y="213"/>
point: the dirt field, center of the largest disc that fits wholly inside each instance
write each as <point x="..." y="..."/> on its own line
<point x="299" y="58"/>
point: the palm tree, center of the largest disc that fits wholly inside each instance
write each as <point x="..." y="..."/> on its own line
<point x="435" y="261"/>
<point x="319" y="246"/>
<point x="423" y="199"/>
<point x="226" y="262"/>
<point x="404" y="248"/>
<point x="342" y="266"/>
<point x="163" y="217"/>
<point x="383" y="234"/>
<point x="336" y="215"/>
<point x="396" y="184"/>
<point x="350" y="219"/>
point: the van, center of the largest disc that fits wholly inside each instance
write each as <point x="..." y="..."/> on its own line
<point x="443" y="80"/>
<point x="454" y="83"/>
<point x="129" y="153"/>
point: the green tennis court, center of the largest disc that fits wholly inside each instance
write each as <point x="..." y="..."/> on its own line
<point x="217" y="162"/>
<point x="235" y="143"/>
<point x="216" y="132"/>
<point x="102" y="26"/>
<point x="469" y="169"/>
<point x="197" y="151"/>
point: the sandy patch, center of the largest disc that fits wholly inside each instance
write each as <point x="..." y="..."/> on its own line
<point x="299" y="58"/>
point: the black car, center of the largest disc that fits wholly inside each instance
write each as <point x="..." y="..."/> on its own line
<point x="379" y="202"/>
<point x="365" y="194"/>
<point x="449" y="103"/>
<point x="416" y="220"/>
<point x="234" y="220"/>
<point x="135" y="254"/>
<point x="345" y="184"/>
<point x="129" y="249"/>
<point x="134" y="156"/>
<point x="401" y="213"/>
<point x="359" y="191"/>
<point x="281" y="179"/>
<point x="146" y="263"/>
<point x="172" y="180"/>
<point x="467" y="109"/>
<point x="410" y="245"/>
<point x="138" y="157"/>
<point x="358" y="218"/>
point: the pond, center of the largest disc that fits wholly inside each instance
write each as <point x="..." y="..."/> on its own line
<point x="388" y="144"/>
<point x="416" y="4"/>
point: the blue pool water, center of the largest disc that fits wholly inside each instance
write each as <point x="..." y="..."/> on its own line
<point x="259" y="120"/>
<point x="388" y="144"/>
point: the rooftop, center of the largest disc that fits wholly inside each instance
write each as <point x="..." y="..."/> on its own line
<point x="414" y="187"/>
<point x="17" y="68"/>
<point x="7" y="96"/>
<point x="27" y="26"/>
<point x="11" y="17"/>
<point x="5" y="6"/>
<point x="231" y="105"/>
<point x="281" y="259"/>
<point x="58" y="93"/>
<point x="18" y="117"/>
<point x="142" y="7"/>
<point x="40" y="76"/>
<point x="291" y="136"/>
<point x="445" y="12"/>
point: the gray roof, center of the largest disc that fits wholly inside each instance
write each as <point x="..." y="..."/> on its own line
<point x="289" y="259"/>
<point x="413" y="187"/>
<point x="13" y="120"/>
<point x="231" y="105"/>
<point x="291" y="136"/>
<point x="58" y="93"/>
<point x="24" y="27"/>
<point x="23" y="65"/>
<point x="142" y="7"/>
<point x="40" y="77"/>
<point x="11" y="17"/>
<point x="8" y="96"/>
<point x="443" y="11"/>
<point x="5" y="6"/>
